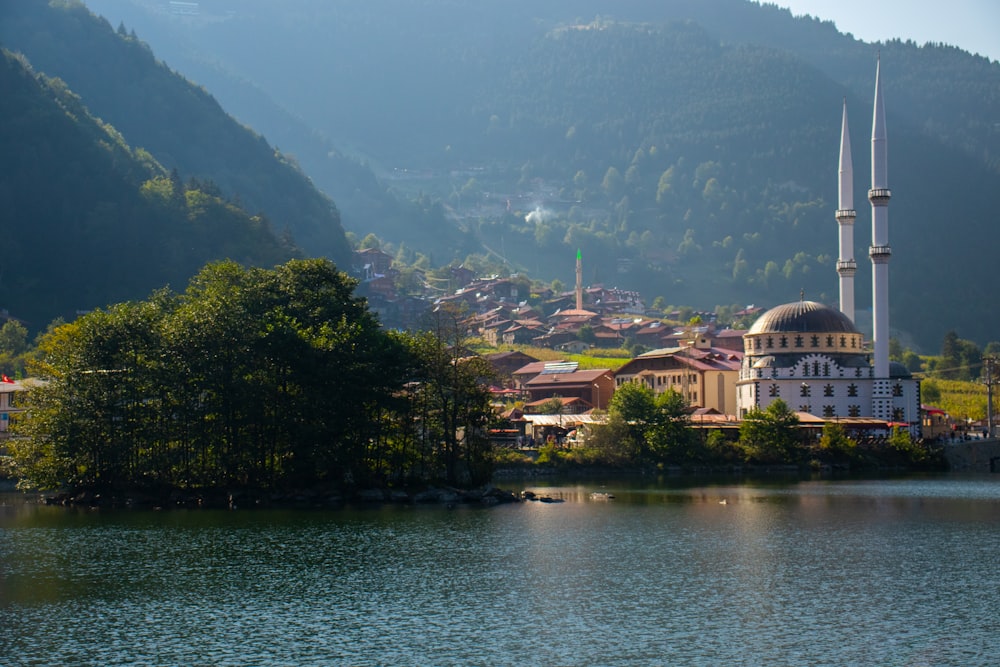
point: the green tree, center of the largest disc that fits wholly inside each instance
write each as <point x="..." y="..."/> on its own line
<point x="13" y="338"/>
<point x="770" y="435"/>
<point x="250" y="377"/>
<point x="669" y="437"/>
<point x="834" y="445"/>
<point x="612" y="183"/>
<point x="634" y="404"/>
<point x="453" y="401"/>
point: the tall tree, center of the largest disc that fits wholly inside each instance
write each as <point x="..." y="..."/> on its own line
<point x="770" y="435"/>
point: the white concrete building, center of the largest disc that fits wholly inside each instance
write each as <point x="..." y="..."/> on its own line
<point x="812" y="356"/>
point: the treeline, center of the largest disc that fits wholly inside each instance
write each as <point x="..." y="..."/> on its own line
<point x="657" y="430"/>
<point x="252" y="378"/>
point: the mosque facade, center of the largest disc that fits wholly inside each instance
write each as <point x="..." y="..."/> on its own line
<point x="812" y="356"/>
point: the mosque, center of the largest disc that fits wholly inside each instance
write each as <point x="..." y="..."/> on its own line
<point x="813" y="356"/>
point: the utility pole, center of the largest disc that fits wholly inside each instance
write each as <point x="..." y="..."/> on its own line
<point x="989" y="368"/>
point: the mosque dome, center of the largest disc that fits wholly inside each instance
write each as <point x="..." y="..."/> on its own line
<point x="803" y="317"/>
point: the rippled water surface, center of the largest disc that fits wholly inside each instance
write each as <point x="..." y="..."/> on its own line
<point x="898" y="572"/>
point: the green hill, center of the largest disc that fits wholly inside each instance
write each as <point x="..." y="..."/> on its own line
<point x="181" y="125"/>
<point x="689" y="147"/>
<point x="87" y="221"/>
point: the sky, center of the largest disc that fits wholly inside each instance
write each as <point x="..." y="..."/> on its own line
<point x="973" y="25"/>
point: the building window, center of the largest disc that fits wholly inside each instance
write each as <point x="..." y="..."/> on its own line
<point x="843" y="341"/>
<point x="829" y="341"/>
<point x="854" y="342"/>
<point x="783" y="341"/>
<point x="805" y="370"/>
<point x="814" y="341"/>
<point x="897" y="389"/>
<point x="773" y="391"/>
<point x="854" y="411"/>
<point x="770" y="342"/>
<point x="828" y="411"/>
<point x="857" y="372"/>
<point x="798" y="341"/>
<point x="898" y="414"/>
<point x="828" y="390"/>
<point x="756" y="343"/>
<point x="803" y="408"/>
<point x="816" y="368"/>
<point x="826" y="369"/>
<point x="806" y="390"/>
<point x="852" y="390"/>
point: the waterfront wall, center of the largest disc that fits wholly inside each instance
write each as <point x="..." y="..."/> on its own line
<point x="974" y="455"/>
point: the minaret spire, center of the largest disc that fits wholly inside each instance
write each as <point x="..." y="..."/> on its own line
<point x="880" y="252"/>
<point x="579" y="280"/>
<point x="846" y="266"/>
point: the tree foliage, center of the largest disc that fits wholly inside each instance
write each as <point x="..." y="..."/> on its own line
<point x="770" y="435"/>
<point x="250" y="378"/>
<point x="657" y="425"/>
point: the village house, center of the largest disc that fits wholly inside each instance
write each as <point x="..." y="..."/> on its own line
<point x="507" y="363"/>
<point x="10" y="405"/>
<point x="705" y="376"/>
<point x="567" y="380"/>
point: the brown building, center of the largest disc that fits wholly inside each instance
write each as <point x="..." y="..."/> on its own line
<point x="566" y="380"/>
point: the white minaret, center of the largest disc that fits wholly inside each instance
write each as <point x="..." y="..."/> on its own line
<point x="579" y="280"/>
<point x="846" y="266"/>
<point x="879" y="252"/>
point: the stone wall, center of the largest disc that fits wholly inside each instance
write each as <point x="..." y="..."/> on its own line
<point x="974" y="455"/>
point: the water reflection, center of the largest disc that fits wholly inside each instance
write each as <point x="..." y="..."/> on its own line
<point x="853" y="572"/>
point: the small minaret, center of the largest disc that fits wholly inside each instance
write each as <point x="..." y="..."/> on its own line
<point x="846" y="266"/>
<point x="880" y="252"/>
<point x="579" y="280"/>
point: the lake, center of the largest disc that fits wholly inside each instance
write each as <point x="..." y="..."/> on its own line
<point x="859" y="572"/>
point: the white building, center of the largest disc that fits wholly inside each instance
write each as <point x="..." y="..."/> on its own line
<point x="812" y="356"/>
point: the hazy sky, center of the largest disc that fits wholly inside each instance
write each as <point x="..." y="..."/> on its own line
<point x="973" y="25"/>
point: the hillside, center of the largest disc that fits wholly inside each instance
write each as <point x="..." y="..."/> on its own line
<point x="181" y="125"/>
<point x="688" y="146"/>
<point x="87" y="221"/>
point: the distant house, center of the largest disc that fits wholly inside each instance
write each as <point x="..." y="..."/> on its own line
<point x="10" y="405"/>
<point x="567" y="406"/>
<point x="528" y="372"/>
<point x="372" y="262"/>
<point x="935" y="423"/>
<point x="566" y="380"/>
<point x="461" y="276"/>
<point x="705" y="335"/>
<point x="522" y="332"/>
<point x="706" y="376"/>
<point x="506" y="363"/>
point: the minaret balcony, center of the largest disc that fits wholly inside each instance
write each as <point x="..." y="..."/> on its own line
<point x="846" y="215"/>
<point x="880" y="253"/>
<point x="879" y="196"/>
<point x="847" y="267"/>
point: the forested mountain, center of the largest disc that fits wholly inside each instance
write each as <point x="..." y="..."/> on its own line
<point x="689" y="147"/>
<point x="87" y="221"/>
<point x="120" y="81"/>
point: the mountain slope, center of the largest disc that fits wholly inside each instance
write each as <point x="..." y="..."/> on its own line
<point x="121" y="82"/>
<point x="688" y="146"/>
<point x="87" y="221"/>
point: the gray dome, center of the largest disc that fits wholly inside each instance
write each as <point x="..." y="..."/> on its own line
<point x="898" y="370"/>
<point x="803" y="317"/>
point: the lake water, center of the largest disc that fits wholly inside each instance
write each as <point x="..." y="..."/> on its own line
<point x="889" y="572"/>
